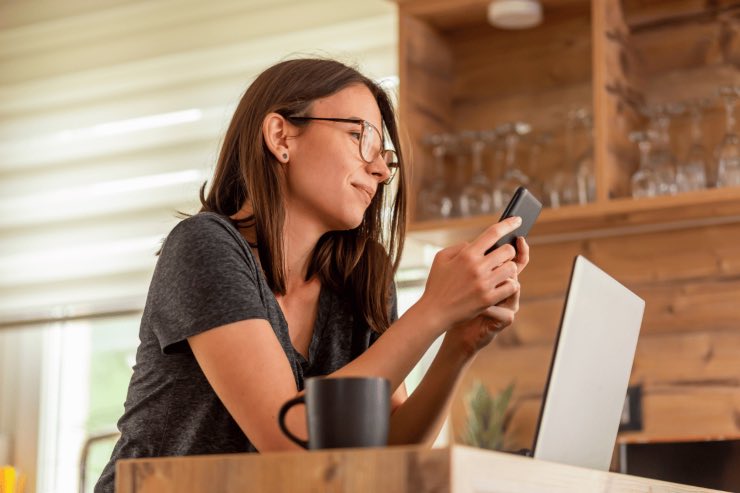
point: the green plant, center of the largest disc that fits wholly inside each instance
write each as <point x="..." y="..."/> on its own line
<point x="486" y="415"/>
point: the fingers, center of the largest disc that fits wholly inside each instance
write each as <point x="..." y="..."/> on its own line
<point x="503" y="290"/>
<point x="501" y="317"/>
<point x="508" y="271"/>
<point x="493" y="233"/>
<point x="522" y="253"/>
<point x="512" y="302"/>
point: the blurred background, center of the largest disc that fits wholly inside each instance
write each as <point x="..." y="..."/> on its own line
<point x="111" y="116"/>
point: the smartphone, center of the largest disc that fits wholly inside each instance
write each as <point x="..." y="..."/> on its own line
<point x="524" y="205"/>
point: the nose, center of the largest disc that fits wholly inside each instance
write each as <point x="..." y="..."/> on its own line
<point x="379" y="169"/>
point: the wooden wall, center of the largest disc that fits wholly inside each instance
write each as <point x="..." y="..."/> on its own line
<point x="688" y="355"/>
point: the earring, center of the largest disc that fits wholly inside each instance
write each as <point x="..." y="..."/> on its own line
<point x="285" y="156"/>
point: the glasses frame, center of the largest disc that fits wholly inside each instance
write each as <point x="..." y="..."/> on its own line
<point x="387" y="154"/>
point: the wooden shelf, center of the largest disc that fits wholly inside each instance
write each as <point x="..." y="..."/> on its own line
<point x="611" y="218"/>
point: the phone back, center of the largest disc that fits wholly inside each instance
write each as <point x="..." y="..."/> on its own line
<point x="524" y="205"/>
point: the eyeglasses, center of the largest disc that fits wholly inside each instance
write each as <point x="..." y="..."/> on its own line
<point x="370" y="143"/>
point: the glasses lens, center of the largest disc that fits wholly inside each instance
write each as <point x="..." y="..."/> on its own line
<point x="370" y="143"/>
<point x="391" y="160"/>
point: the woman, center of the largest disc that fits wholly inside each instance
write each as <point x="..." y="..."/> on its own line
<point x="287" y="273"/>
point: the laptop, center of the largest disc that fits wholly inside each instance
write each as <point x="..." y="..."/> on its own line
<point x="590" y="370"/>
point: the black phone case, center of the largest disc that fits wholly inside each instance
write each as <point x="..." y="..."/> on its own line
<point x="524" y="205"/>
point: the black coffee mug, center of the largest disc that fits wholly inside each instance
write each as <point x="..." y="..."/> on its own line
<point x="343" y="412"/>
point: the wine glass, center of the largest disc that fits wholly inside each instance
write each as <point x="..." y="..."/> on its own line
<point x="513" y="177"/>
<point x="562" y="187"/>
<point x="691" y="173"/>
<point x="540" y="141"/>
<point x="644" y="180"/>
<point x="434" y="200"/>
<point x="584" y="158"/>
<point x="662" y="159"/>
<point x="476" y="195"/>
<point x="494" y="140"/>
<point x="728" y="150"/>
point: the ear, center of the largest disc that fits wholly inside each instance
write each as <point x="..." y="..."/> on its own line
<point x="275" y="131"/>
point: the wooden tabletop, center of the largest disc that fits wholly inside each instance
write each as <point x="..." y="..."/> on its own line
<point x="385" y="470"/>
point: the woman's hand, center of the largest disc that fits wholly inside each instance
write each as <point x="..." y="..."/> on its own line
<point x="464" y="282"/>
<point x="473" y="335"/>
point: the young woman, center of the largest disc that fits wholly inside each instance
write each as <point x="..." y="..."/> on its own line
<point x="287" y="273"/>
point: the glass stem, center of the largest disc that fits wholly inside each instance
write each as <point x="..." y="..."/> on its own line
<point x="644" y="146"/>
<point x="477" y="151"/>
<point x="730" y="110"/>
<point x="439" y="157"/>
<point x="511" y="141"/>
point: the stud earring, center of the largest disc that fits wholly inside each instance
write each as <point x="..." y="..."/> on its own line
<point x="285" y="156"/>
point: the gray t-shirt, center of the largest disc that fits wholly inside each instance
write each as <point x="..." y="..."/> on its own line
<point x="207" y="276"/>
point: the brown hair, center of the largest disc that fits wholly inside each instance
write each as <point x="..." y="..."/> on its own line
<point x="362" y="260"/>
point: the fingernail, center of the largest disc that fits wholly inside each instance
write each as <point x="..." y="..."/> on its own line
<point x="518" y="220"/>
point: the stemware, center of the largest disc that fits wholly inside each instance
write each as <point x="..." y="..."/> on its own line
<point x="434" y="200"/>
<point x="512" y="177"/>
<point x="644" y="180"/>
<point x="584" y="158"/>
<point x="476" y="195"/>
<point x="662" y="159"/>
<point x="691" y="173"/>
<point x="728" y="150"/>
<point x="536" y="185"/>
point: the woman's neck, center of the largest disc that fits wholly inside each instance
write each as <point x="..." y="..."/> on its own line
<point x="300" y="237"/>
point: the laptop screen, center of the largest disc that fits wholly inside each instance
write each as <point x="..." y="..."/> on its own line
<point x="590" y="370"/>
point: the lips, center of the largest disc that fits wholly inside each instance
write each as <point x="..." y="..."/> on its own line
<point x="367" y="190"/>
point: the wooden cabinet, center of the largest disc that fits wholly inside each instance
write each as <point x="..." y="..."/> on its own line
<point x="458" y="73"/>
<point x="681" y="253"/>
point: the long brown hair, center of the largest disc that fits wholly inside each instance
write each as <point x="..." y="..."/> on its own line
<point x="361" y="261"/>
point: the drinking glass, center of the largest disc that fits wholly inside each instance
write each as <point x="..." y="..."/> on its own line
<point x="584" y="157"/>
<point x="562" y="187"/>
<point x="495" y="141"/>
<point x="691" y="173"/>
<point x="728" y="150"/>
<point x="662" y="159"/>
<point x="536" y="185"/>
<point x="644" y="181"/>
<point x="476" y="195"/>
<point x="434" y="200"/>
<point x="513" y="177"/>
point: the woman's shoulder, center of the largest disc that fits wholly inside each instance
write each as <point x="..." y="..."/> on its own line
<point x="208" y="233"/>
<point x="205" y="226"/>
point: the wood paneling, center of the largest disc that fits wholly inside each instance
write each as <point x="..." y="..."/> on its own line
<point x="679" y="253"/>
<point x="691" y="384"/>
<point x="554" y="54"/>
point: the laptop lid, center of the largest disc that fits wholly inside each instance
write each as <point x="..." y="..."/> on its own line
<point x="590" y="370"/>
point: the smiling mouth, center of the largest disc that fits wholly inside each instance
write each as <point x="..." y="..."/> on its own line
<point x="370" y="194"/>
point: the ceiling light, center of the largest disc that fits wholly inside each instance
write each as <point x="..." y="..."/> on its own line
<point x="515" y="14"/>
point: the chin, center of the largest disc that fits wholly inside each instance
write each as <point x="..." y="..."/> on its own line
<point x="348" y="222"/>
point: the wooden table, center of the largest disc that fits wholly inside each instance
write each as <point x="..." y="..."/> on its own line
<point x="387" y="470"/>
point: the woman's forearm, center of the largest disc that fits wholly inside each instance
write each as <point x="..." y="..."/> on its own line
<point x="400" y="348"/>
<point x="420" y="418"/>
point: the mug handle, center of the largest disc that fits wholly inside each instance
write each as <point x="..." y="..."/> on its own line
<point x="281" y="419"/>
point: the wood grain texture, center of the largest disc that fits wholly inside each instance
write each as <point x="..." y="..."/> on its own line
<point x="389" y="470"/>
<point x="396" y="469"/>
<point x="679" y="253"/>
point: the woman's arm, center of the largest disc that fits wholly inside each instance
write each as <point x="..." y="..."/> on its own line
<point x="419" y="418"/>
<point x="248" y="370"/>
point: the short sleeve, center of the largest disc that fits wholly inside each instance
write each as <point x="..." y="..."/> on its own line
<point x="205" y="278"/>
